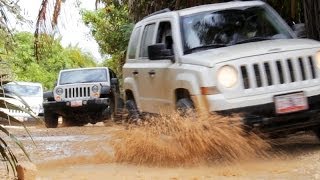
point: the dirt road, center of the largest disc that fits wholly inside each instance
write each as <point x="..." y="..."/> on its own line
<point x="85" y="153"/>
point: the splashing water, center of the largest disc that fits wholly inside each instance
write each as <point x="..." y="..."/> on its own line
<point x="171" y="140"/>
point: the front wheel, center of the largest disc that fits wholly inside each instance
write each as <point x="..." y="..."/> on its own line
<point x="133" y="112"/>
<point x="317" y="132"/>
<point x="185" y="107"/>
<point x="51" y="120"/>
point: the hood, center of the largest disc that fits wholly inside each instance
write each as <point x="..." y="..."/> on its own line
<point x="31" y="101"/>
<point x="213" y="56"/>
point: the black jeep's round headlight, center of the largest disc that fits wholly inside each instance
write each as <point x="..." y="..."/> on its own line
<point x="59" y="91"/>
<point x="95" y="89"/>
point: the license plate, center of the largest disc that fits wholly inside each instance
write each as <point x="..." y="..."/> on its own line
<point x="291" y="103"/>
<point x="76" y="103"/>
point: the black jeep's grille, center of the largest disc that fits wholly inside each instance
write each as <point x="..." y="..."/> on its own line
<point x="278" y="72"/>
<point x="77" y="92"/>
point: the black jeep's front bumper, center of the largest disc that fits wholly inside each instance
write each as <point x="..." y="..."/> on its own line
<point x="266" y="119"/>
<point x="92" y="106"/>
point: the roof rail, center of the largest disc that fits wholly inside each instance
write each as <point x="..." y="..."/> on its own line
<point x="158" y="12"/>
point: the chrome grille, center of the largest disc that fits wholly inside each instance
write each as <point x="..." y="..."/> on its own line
<point x="77" y="92"/>
<point x="278" y="72"/>
<point x="16" y="111"/>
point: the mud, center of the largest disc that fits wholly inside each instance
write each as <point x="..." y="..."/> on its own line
<point x="162" y="150"/>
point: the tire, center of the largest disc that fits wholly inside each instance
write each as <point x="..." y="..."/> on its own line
<point x="118" y="111"/>
<point x="51" y="120"/>
<point x="185" y="107"/>
<point x="317" y="132"/>
<point x="133" y="112"/>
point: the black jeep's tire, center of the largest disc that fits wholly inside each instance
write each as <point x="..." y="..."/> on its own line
<point x="317" y="132"/>
<point x="133" y="112"/>
<point x="185" y="107"/>
<point x="51" y="120"/>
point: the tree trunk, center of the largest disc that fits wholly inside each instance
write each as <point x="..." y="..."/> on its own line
<point x="312" y="18"/>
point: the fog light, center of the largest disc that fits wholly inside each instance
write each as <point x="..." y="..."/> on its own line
<point x="84" y="102"/>
<point x="58" y="98"/>
<point x="68" y="103"/>
<point x="96" y="95"/>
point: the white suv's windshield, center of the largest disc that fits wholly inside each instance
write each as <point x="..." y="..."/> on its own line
<point x="83" y="76"/>
<point x="230" y="27"/>
<point x="23" y="90"/>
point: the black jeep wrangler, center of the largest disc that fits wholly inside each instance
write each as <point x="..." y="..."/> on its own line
<point x="81" y="96"/>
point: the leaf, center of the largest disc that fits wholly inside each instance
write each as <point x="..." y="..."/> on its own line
<point x="10" y="118"/>
<point x="16" y="141"/>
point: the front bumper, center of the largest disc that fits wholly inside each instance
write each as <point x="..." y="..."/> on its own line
<point x="85" y="107"/>
<point x="266" y="119"/>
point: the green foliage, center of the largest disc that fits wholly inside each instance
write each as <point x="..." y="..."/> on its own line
<point x="53" y="58"/>
<point x="111" y="28"/>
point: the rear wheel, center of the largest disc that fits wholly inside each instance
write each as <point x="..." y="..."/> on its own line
<point x="185" y="107"/>
<point x="50" y="119"/>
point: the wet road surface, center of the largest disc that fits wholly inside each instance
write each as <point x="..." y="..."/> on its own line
<point x="86" y="153"/>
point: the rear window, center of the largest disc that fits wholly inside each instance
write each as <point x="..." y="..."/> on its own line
<point x="133" y="43"/>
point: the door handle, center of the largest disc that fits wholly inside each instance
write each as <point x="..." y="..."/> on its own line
<point x="152" y="73"/>
<point x="135" y="72"/>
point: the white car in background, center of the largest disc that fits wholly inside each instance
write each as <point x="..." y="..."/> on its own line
<point x="30" y="93"/>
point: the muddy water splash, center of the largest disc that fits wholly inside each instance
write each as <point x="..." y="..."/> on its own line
<point x="175" y="141"/>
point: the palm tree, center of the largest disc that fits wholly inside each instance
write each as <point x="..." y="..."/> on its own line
<point x="9" y="9"/>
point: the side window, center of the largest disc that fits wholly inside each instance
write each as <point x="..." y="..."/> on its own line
<point x="147" y="39"/>
<point x="165" y="35"/>
<point x="133" y="43"/>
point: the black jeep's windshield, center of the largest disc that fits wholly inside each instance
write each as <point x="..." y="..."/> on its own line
<point x="83" y="76"/>
<point x="218" y="29"/>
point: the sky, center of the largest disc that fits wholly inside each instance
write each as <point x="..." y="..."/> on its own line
<point x="71" y="28"/>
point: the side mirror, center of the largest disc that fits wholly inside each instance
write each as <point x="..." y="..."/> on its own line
<point x="159" y="52"/>
<point x="114" y="81"/>
<point x="48" y="96"/>
<point x="299" y="30"/>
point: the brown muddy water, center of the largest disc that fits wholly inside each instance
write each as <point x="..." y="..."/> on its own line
<point x="168" y="147"/>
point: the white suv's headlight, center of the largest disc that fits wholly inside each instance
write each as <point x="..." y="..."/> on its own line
<point x="318" y="59"/>
<point x="227" y="76"/>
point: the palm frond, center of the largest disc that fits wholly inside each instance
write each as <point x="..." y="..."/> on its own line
<point x="5" y="152"/>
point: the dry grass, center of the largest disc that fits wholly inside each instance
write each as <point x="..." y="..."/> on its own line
<point x="170" y="140"/>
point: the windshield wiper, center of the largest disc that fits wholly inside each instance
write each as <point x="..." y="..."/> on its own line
<point x="254" y="39"/>
<point x="211" y="46"/>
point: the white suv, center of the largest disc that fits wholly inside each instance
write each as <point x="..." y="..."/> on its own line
<point x="235" y="57"/>
<point x="29" y="92"/>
